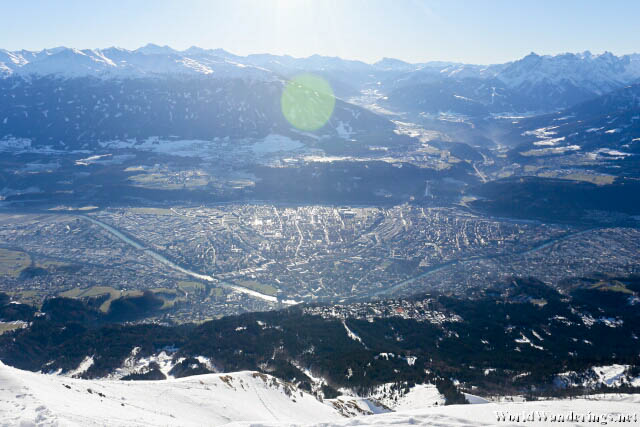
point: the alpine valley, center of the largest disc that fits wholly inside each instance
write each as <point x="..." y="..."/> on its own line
<point x="177" y="247"/>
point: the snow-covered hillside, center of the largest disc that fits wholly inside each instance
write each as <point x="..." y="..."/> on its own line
<point x="606" y="127"/>
<point x="250" y="398"/>
<point x="608" y="408"/>
<point x="36" y="399"/>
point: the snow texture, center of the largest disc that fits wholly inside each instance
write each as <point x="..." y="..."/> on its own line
<point x="249" y="398"/>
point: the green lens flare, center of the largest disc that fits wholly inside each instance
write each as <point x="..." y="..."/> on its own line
<point x="307" y="102"/>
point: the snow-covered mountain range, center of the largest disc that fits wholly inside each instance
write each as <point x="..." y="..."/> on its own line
<point x="150" y="60"/>
<point x="597" y="73"/>
<point x="534" y="83"/>
<point x="67" y="99"/>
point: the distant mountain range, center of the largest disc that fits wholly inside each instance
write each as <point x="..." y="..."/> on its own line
<point x="70" y="97"/>
<point x="568" y="76"/>
<point x="149" y="60"/>
<point x="532" y="84"/>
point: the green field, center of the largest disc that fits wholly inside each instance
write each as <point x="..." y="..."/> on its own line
<point x="97" y="291"/>
<point x="190" y="287"/>
<point x="33" y="298"/>
<point x="612" y="286"/>
<point x="13" y="262"/>
<point x="166" y="181"/>
<point x="169" y="296"/>
<point x="6" y="327"/>
<point x="593" y="179"/>
<point x="216" y="292"/>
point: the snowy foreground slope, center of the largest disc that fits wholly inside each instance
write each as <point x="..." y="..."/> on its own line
<point x="487" y="414"/>
<point x="247" y="398"/>
<point x="28" y="398"/>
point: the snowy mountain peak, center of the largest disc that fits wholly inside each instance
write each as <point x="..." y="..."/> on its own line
<point x="115" y="62"/>
<point x="392" y="64"/>
<point x="195" y="50"/>
<point x="154" y="49"/>
<point x="583" y="74"/>
<point x="596" y="73"/>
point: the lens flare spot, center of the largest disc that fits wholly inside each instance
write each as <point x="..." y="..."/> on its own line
<point x="307" y="102"/>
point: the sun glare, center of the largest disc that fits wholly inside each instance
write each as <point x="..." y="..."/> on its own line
<point x="307" y="102"/>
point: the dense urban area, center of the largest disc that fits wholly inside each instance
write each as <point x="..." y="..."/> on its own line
<point x="206" y="262"/>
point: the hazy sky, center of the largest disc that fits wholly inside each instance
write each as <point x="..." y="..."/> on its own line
<point x="472" y="31"/>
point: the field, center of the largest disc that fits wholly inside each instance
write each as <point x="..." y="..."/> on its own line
<point x="216" y="292"/>
<point x="612" y="286"/>
<point x="593" y="179"/>
<point x="52" y="264"/>
<point x="98" y="291"/>
<point x="169" y="296"/>
<point x="169" y="181"/>
<point x="13" y="262"/>
<point x="190" y="287"/>
<point x="33" y="298"/>
<point x="10" y="326"/>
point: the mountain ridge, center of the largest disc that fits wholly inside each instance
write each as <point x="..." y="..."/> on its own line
<point x="534" y="83"/>
<point x="12" y="62"/>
